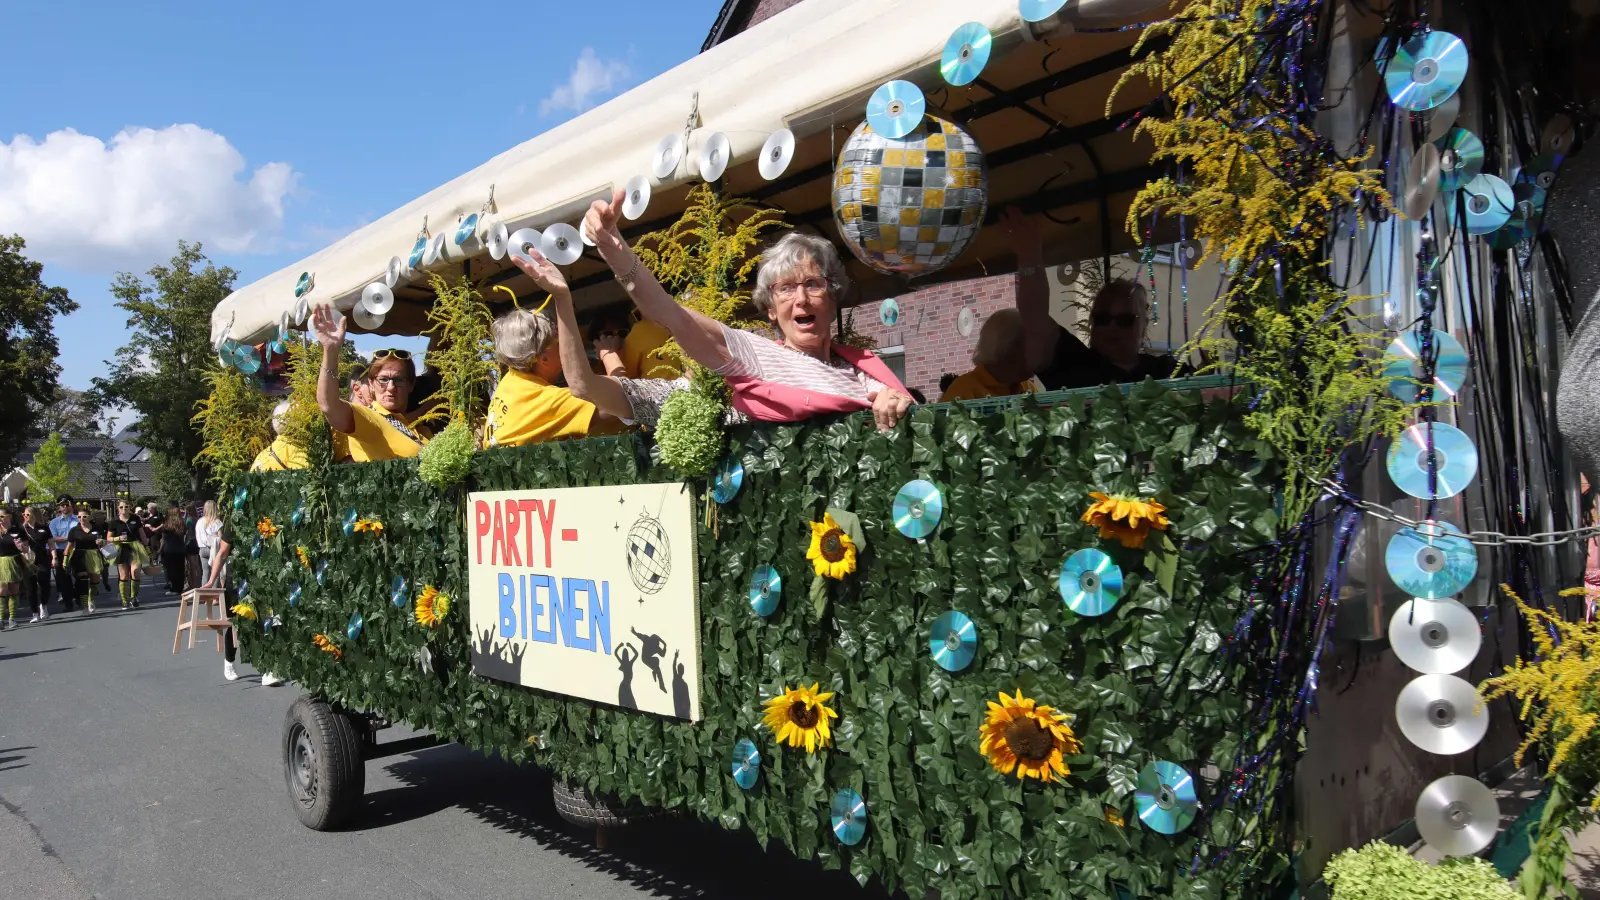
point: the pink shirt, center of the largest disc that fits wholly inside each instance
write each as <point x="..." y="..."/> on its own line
<point x="773" y="383"/>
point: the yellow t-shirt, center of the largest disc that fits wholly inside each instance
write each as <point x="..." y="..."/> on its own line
<point x="978" y="384"/>
<point x="374" y="439"/>
<point x="526" y="409"/>
<point x="641" y="352"/>
<point x="278" y="456"/>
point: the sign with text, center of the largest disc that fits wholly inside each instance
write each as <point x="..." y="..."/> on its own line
<point x="589" y="592"/>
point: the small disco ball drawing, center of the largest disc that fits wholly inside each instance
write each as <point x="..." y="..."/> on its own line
<point x="910" y="206"/>
<point x="649" y="555"/>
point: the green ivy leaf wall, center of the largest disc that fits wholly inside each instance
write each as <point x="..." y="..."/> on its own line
<point x="1150" y="680"/>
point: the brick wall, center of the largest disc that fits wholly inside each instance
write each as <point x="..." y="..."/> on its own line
<point x="766" y="9"/>
<point x="928" y="331"/>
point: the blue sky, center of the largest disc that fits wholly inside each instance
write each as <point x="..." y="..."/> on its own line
<point x="269" y="131"/>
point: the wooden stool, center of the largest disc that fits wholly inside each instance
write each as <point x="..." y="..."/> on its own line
<point x="207" y="610"/>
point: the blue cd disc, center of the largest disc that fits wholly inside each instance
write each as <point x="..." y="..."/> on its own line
<point x="766" y="587"/>
<point x="294" y="595"/>
<point x="965" y="54"/>
<point x="255" y="549"/>
<point x="418" y="250"/>
<point x="889" y="312"/>
<point x="399" y="592"/>
<point x="953" y="641"/>
<point x="270" y="622"/>
<point x="239" y="497"/>
<point x="1432" y="560"/>
<point x="1403" y="373"/>
<point x="244" y="589"/>
<point x="1426" y="70"/>
<point x="1455" y="460"/>
<point x="746" y="763"/>
<point x="918" y="508"/>
<point x="849" y="813"/>
<point x="322" y="573"/>
<point x="1039" y="10"/>
<point x="466" y="228"/>
<point x="895" y="109"/>
<point x="1165" y="797"/>
<point x="353" y="630"/>
<point x="298" y="517"/>
<point x="247" y="359"/>
<point x="303" y="284"/>
<point x="1488" y="202"/>
<point x="725" y="484"/>
<point x="1460" y="158"/>
<point x="1090" y="583"/>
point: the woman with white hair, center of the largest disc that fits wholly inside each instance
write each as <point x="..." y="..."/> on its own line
<point x="999" y="365"/>
<point x="280" y="455"/>
<point x="527" y="407"/>
<point x="798" y="288"/>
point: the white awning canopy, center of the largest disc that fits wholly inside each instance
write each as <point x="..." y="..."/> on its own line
<point x="810" y="68"/>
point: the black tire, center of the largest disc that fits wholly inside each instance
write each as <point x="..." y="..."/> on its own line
<point x="586" y="810"/>
<point x="323" y="766"/>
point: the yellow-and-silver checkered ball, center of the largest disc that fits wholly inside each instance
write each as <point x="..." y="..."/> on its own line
<point x="910" y="206"/>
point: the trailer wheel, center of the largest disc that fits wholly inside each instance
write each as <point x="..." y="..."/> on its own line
<point x="586" y="810"/>
<point x="322" y="763"/>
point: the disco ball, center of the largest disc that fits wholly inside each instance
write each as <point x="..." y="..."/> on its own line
<point x="649" y="555"/>
<point x="910" y="206"/>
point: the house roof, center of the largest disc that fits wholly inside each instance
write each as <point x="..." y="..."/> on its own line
<point x="83" y="457"/>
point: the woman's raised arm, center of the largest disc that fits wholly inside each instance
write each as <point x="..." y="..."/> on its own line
<point x="601" y="390"/>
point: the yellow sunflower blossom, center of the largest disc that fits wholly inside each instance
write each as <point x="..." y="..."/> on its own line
<point x="1027" y="737"/>
<point x="1128" y="519"/>
<point x="326" y="646"/>
<point x="305" y="558"/>
<point x="267" y="529"/>
<point x="432" y="606"/>
<point x="799" y="717"/>
<point x="1114" y="817"/>
<point x="832" y="553"/>
<point x="371" y="525"/>
<point x="244" y="611"/>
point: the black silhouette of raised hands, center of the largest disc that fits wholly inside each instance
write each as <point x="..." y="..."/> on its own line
<point x="601" y="220"/>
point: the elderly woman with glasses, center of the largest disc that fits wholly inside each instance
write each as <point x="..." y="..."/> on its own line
<point x="527" y="407"/>
<point x="797" y="287"/>
<point x="379" y="431"/>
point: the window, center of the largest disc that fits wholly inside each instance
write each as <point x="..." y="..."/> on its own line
<point x="895" y="358"/>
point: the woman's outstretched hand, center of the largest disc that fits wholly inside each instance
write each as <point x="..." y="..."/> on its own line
<point x="330" y="330"/>
<point x="544" y="273"/>
<point x="601" y="219"/>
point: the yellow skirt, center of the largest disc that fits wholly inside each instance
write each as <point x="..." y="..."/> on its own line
<point x="12" y="570"/>
<point x="88" y="562"/>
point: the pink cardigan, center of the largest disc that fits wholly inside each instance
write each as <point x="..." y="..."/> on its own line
<point x="769" y="401"/>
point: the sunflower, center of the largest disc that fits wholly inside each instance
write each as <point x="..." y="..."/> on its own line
<point x="1026" y="736"/>
<point x="832" y="552"/>
<point x="244" y="611"/>
<point x="432" y="606"/>
<point x="267" y="529"/>
<point x="800" y="717"/>
<point x="305" y="558"/>
<point x="371" y="525"/>
<point x="1114" y="817"/>
<point x="326" y="646"/>
<point x="1128" y="519"/>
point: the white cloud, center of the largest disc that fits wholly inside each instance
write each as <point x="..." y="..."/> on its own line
<point x="95" y="206"/>
<point x="591" y="77"/>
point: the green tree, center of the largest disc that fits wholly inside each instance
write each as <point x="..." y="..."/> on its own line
<point x="72" y="414"/>
<point x="49" y="474"/>
<point x="161" y="371"/>
<point x="28" y="346"/>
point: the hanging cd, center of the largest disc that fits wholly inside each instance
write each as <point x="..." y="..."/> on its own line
<point x="1090" y="583"/>
<point x="849" y="814"/>
<point x="397" y="272"/>
<point x="1443" y="117"/>
<point x="714" y="156"/>
<point x="303" y="286"/>
<point x="1435" y="637"/>
<point x="1454" y="458"/>
<point x="1457" y="815"/>
<point x="435" y="250"/>
<point x="1404" y="370"/>
<point x="353" y="629"/>
<point x="1165" y="797"/>
<point x="302" y="312"/>
<point x="1488" y="203"/>
<point x="294" y="594"/>
<point x="298" y="517"/>
<point x="583" y="233"/>
<point x="953" y="641"/>
<point x="965" y="54"/>
<point x="351" y="516"/>
<point x="1460" y="158"/>
<point x="1558" y="135"/>
<point x="730" y="475"/>
<point x="1039" y="10"/>
<point x="365" y="318"/>
<point x="918" y="507"/>
<point x="376" y="298"/>
<point x="244" y="589"/>
<point x="1431" y="560"/>
<point x="322" y="573"/>
<point x="247" y="359"/>
<point x="467" y="230"/>
<point x="561" y="244"/>
<point x="746" y="763"/>
<point x="637" y="197"/>
<point x="1527" y="200"/>
<point x="895" y="109"/>
<point x="524" y="241"/>
<point x="1189" y="252"/>
<point x="1441" y="714"/>
<point x="256" y="548"/>
<point x="766" y="587"/>
<point x="1422" y="182"/>
<point x="270" y="622"/>
<point x="776" y="154"/>
<point x="668" y="153"/>
<point x="399" y="592"/>
<point x="889" y="312"/>
<point x="1426" y="70"/>
<point x="1067" y="273"/>
<point x="418" y="251"/>
<point x="965" y="320"/>
<point x="497" y="238"/>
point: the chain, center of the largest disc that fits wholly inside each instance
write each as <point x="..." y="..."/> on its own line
<point x="1480" y="538"/>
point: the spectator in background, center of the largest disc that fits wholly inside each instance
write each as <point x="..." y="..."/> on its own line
<point x="172" y="539"/>
<point x="14" y="571"/>
<point x="205" y="535"/>
<point x="37" y="532"/>
<point x="60" y="527"/>
<point x="191" y="546"/>
<point x="945" y="381"/>
<point x="999" y="365"/>
<point x="216" y="576"/>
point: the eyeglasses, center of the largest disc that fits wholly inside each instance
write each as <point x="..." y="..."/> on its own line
<point x="390" y="380"/>
<point x="1122" y="320"/>
<point x="814" y="287"/>
<point x="391" y="354"/>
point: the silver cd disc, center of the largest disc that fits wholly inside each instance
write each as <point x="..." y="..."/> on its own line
<point x="668" y="153"/>
<point x="497" y="238"/>
<point x="1404" y="369"/>
<point x="524" y="240"/>
<point x="367" y="320"/>
<point x="1431" y="560"/>
<point x="1422" y="182"/>
<point x="1441" y="714"/>
<point x="1426" y="70"/>
<point x="1435" y="637"/>
<point x="1460" y="158"/>
<point x="1488" y="203"/>
<point x="714" y="156"/>
<point x="1443" y="117"/>
<point x="637" y="198"/>
<point x="1457" y="815"/>
<point x="1558" y="135"/>
<point x="776" y="154"/>
<point x="397" y="273"/>
<point x="376" y="298"/>
<point x="1454" y="460"/>
<point x="561" y="244"/>
<point x="434" y="252"/>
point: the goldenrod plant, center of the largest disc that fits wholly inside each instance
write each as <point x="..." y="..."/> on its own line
<point x="235" y="423"/>
<point x="1381" y="871"/>
<point x="461" y="351"/>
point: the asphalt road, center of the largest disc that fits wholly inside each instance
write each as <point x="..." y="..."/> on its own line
<point x="128" y="772"/>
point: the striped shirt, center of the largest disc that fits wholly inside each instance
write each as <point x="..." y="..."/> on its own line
<point x="753" y="356"/>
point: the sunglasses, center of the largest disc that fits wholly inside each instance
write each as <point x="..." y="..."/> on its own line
<point x="1122" y="320"/>
<point x="391" y="354"/>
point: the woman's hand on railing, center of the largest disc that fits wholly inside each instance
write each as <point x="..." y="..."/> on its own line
<point x="888" y="406"/>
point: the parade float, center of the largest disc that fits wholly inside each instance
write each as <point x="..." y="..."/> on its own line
<point x="1108" y="643"/>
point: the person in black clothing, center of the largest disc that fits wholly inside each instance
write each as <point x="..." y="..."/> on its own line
<point x="84" y="559"/>
<point x="126" y="532"/>
<point x="13" y="571"/>
<point x="217" y="576"/>
<point x="1118" y="317"/>
<point x="37" y="533"/>
<point x="172" y="555"/>
<point x="102" y="530"/>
